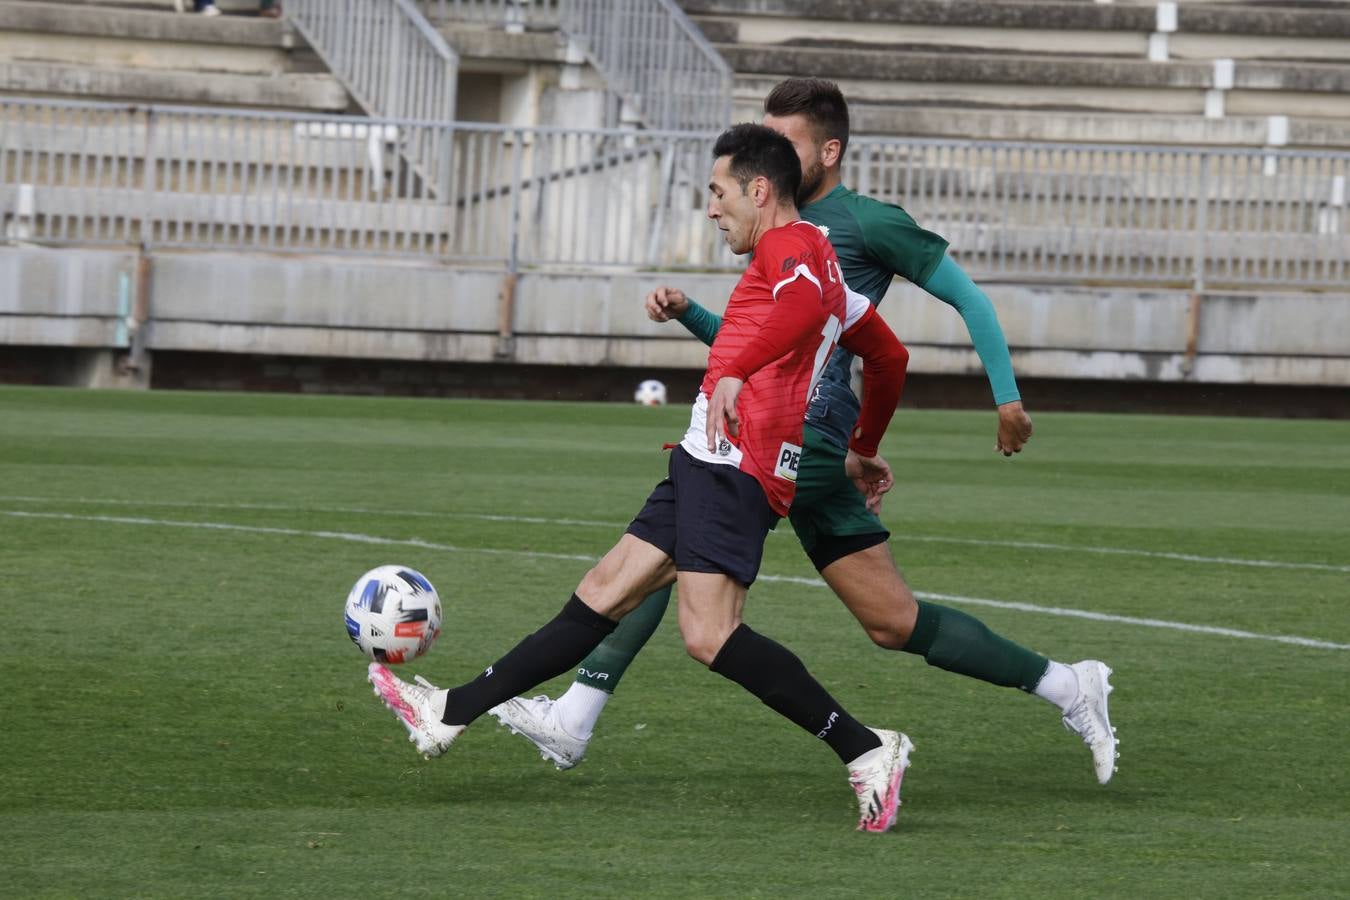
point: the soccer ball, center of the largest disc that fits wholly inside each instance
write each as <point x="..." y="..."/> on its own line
<point x="393" y="614"/>
<point x="650" y="393"/>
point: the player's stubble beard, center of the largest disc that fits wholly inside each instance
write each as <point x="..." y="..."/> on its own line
<point x="812" y="179"/>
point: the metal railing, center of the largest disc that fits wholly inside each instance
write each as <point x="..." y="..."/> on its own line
<point x="654" y="59"/>
<point x="548" y="198"/>
<point x="659" y="68"/>
<point x="390" y="59"/>
<point x="1137" y="214"/>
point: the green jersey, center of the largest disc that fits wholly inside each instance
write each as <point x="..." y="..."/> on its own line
<point x="874" y="241"/>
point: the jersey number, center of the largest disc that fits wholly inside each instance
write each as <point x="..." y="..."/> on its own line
<point x="830" y="333"/>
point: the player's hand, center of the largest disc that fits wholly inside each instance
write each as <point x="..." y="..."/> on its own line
<point x="666" y="303"/>
<point x="871" y="476"/>
<point x="722" y="416"/>
<point x="1014" y="428"/>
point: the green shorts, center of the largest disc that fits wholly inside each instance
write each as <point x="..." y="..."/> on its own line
<point x="828" y="513"/>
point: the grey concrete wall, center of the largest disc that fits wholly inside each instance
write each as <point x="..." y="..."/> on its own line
<point x="61" y="298"/>
<point x="336" y="307"/>
<point x="1115" y="333"/>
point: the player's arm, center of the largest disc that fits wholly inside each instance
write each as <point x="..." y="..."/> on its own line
<point x="885" y="362"/>
<point x="666" y="303"/>
<point x="892" y="237"/>
<point x="950" y="284"/>
<point x="798" y="316"/>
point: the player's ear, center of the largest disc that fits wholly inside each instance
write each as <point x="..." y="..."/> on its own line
<point x="829" y="153"/>
<point x="761" y="191"/>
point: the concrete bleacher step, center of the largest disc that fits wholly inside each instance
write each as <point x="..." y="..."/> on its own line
<point x="300" y="91"/>
<point x="1037" y="81"/>
<point x="130" y="22"/>
<point x="487" y="49"/>
<point x="930" y="118"/>
<point x="1289" y="20"/>
<point x="1053" y="70"/>
<point x="1085" y="127"/>
<point x="120" y="52"/>
<point x="935" y="113"/>
<point x="234" y="7"/>
<point x="749" y="90"/>
<point x="1126" y="44"/>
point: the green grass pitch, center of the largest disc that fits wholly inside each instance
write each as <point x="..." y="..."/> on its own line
<point x="183" y="715"/>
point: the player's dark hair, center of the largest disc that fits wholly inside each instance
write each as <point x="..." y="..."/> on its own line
<point x="756" y="150"/>
<point x="820" y="101"/>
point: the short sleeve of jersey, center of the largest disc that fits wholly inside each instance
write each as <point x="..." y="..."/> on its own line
<point x="892" y="236"/>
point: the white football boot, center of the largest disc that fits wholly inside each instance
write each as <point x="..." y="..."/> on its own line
<point x="878" y="785"/>
<point x="415" y="707"/>
<point x="537" y="720"/>
<point x="1087" y="717"/>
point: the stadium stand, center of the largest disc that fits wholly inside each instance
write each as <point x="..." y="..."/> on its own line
<point x="1146" y="191"/>
<point x="1210" y="74"/>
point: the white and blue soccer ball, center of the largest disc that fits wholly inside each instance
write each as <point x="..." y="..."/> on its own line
<point x="650" y="393"/>
<point x="393" y="614"/>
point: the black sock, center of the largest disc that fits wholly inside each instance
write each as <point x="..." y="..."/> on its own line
<point x="772" y="673"/>
<point x="550" y="651"/>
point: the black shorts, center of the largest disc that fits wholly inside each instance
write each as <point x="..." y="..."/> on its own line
<point x="707" y="518"/>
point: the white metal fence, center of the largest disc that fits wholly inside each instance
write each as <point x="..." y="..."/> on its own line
<point x="88" y="173"/>
<point x="1162" y="214"/>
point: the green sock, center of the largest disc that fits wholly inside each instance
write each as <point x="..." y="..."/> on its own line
<point x="952" y="640"/>
<point x="607" y="662"/>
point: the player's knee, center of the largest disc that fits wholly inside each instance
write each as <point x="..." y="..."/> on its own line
<point x="890" y="628"/>
<point x="701" y="649"/>
<point x="889" y="636"/>
<point x="703" y="643"/>
<point x="593" y="582"/>
<point x="599" y="591"/>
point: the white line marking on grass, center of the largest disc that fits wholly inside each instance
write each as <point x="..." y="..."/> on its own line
<point x="284" y="507"/>
<point x="539" y="520"/>
<point x="296" y="532"/>
<point x="1123" y="551"/>
<point x="1095" y="616"/>
<point x="783" y="579"/>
